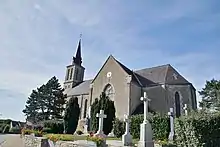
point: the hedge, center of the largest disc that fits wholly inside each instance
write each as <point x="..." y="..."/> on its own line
<point x="160" y="126"/>
<point x="198" y="129"/>
<point x="55" y="127"/>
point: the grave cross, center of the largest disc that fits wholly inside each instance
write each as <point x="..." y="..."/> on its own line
<point x="171" y="134"/>
<point x="145" y="100"/>
<point x="127" y="122"/>
<point x="101" y="116"/>
<point x="185" y="109"/>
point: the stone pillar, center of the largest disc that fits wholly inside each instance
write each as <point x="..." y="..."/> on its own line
<point x="146" y="133"/>
<point x="127" y="138"/>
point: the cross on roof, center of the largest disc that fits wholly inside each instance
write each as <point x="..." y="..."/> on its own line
<point x="101" y="114"/>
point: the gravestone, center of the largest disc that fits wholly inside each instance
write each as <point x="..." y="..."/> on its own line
<point x="86" y="125"/>
<point x="127" y="138"/>
<point x="171" y="134"/>
<point x="101" y="117"/>
<point x="185" y="108"/>
<point x="146" y="133"/>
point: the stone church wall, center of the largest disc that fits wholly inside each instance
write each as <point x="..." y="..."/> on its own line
<point x="186" y="95"/>
<point x="135" y="95"/>
<point x="157" y="96"/>
<point x="119" y="84"/>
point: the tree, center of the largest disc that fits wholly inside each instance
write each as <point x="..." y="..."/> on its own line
<point x="104" y="103"/>
<point x="71" y="115"/>
<point x="46" y="102"/>
<point x="210" y="95"/>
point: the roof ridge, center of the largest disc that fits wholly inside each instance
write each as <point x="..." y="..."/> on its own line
<point x="153" y="67"/>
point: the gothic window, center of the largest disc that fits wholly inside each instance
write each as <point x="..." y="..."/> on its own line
<point x="85" y="108"/>
<point x="177" y="104"/>
<point x="71" y="73"/>
<point x="109" y="91"/>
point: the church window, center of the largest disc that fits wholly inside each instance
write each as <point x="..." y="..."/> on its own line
<point x="177" y="104"/>
<point x="109" y="92"/>
<point x="71" y="73"/>
<point x="67" y="75"/>
<point x="85" y="108"/>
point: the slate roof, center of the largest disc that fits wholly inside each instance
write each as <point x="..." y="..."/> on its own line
<point x="145" y="78"/>
<point x="161" y="75"/>
<point x="82" y="88"/>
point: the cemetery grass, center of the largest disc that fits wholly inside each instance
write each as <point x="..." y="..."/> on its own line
<point x="69" y="137"/>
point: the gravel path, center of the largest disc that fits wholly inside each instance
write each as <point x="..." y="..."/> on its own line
<point x="11" y="140"/>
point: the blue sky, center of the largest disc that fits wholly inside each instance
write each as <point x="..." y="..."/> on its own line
<point x="38" y="39"/>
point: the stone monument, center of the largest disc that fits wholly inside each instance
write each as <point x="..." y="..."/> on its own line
<point x="101" y="117"/>
<point x="185" y="109"/>
<point x="171" y="134"/>
<point x="146" y="133"/>
<point x="127" y="138"/>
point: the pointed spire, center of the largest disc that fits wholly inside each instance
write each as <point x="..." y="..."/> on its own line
<point x="78" y="58"/>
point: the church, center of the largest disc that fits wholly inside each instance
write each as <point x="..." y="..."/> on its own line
<point x="165" y="87"/>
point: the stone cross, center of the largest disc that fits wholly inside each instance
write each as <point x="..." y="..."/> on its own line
<point x="146" y="133"/>
<point x="101" y="117"/>
<point x="127" y="123"/>
<point x="185" y="109"/>
<point x="127" y="138"/>
<point x="145" y="100"/>
<point x="171" y="134"/>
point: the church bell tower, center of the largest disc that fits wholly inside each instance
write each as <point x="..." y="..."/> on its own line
<point x="75" y="71"/>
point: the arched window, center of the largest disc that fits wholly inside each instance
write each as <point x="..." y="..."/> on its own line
<point x="85" y="108"/>
<point x="177" y="104"/>
<point x="109" y="91"/>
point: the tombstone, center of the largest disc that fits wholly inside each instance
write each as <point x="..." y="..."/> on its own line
<point x="171" y="134"/>
<point x="101" y="117"/>
<point x="86" y="125"/>
<point x="127" y="138"/>
<point x="185" y="108"/>
<point x="146" y="133"/>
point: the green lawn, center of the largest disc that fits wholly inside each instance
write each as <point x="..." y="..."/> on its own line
<point x="68" y="137"/>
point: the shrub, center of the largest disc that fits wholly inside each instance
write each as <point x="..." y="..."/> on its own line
<point x="55" y="126"/>
<point x="6" y="129"/>
<point x="71" y="115"/>
<point x="118" y="128"/>
<point x="98" y="140"/>
<point x="104" y="103"/>
<point x="47" y="130"/>
<point x="79" y="132"/>
<point x="160" y="126"/>
<point x="15" y="130"/>
<point x="198" y="129"/>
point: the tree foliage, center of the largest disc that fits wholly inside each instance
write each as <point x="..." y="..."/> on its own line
<point x="104" y="103"/>
<point x="46" y="102"/>
<point x="71" y="115"/>
<point x="211" y="95"/>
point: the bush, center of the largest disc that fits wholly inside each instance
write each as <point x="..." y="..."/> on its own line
<point x="118" y="128"/>
<point x="6" y="129"/>
<point x="79" y="132"/>
<point x="55" y="126"/>
<point x="198" y="129"/>
<point x="104" y="103"/>
<point x="98" y="140"/>
<point x="160" y="126"/>
<point x="15" y="130"/>
<point x="47" y="130"/>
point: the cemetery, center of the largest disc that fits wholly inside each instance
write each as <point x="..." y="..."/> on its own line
<point x="145" y="130"/>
